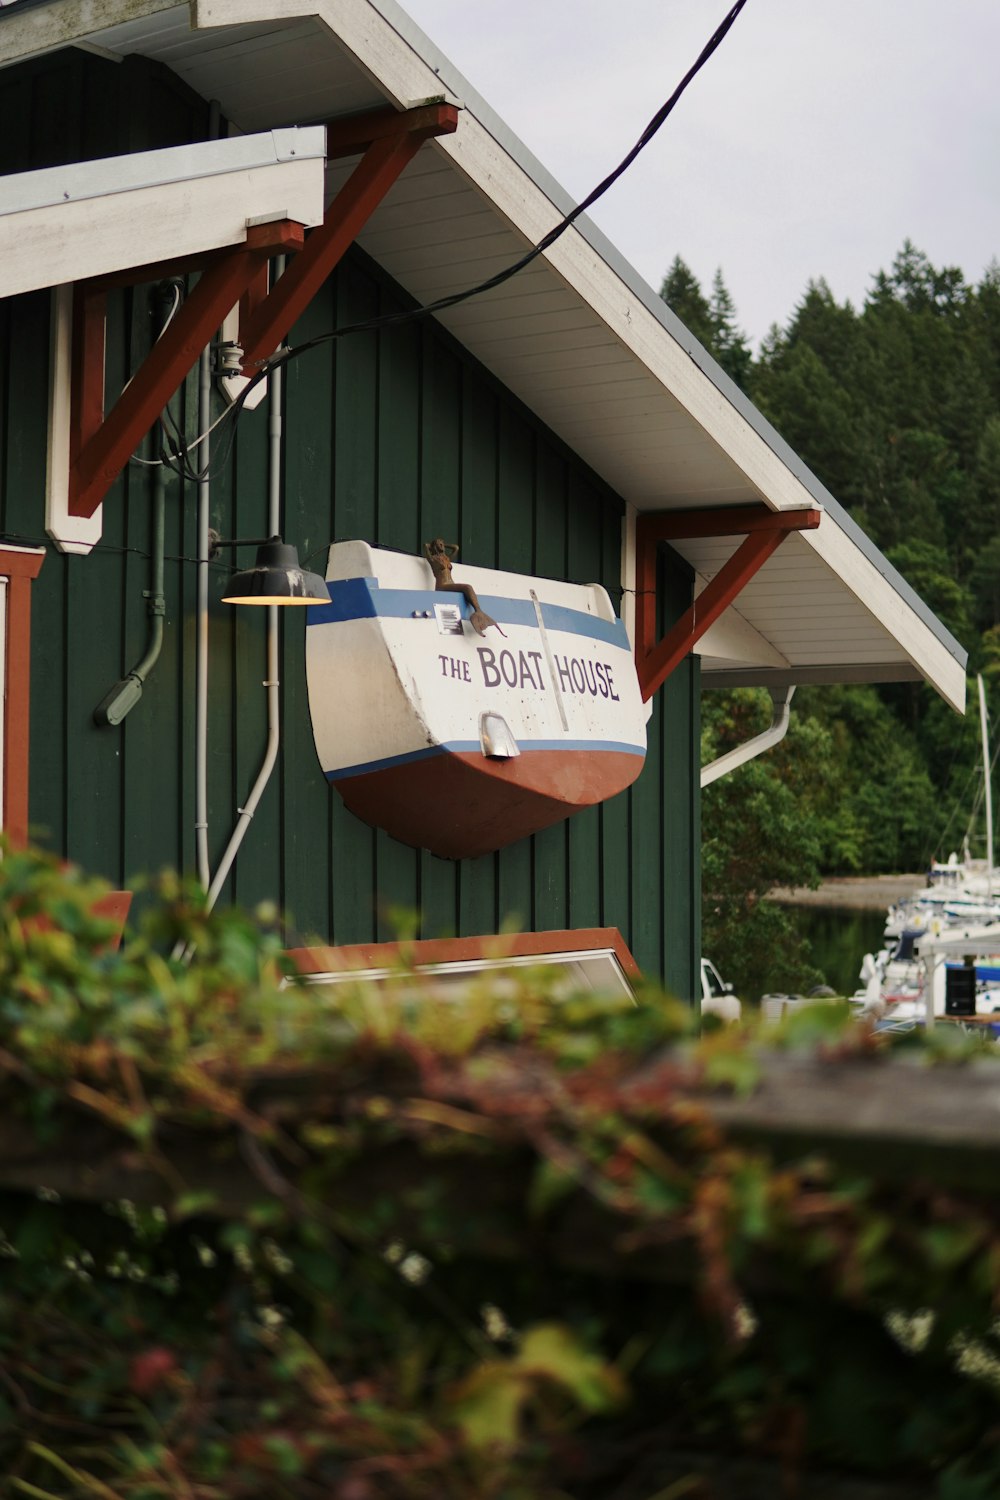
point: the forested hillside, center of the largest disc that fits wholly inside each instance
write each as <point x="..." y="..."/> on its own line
<point x="896" y="408"/>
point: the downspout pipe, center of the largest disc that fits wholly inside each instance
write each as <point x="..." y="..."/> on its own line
<point x="781" y="698"/>
<point x="126" y="693"/>
<point x="272" y="682"/>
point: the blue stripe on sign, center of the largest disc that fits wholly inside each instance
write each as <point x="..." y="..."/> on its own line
<point x="455" y="746"/>
<point x="558" y="617"/>
<point x="362" y="599"/>
<point x="350" y="599"/>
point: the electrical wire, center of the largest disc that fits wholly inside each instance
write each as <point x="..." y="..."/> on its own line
<point x="406" y="315"/>
<point x="176" y="287"/>
<point x="221" y="565"/>
<point x="183" y="444"/>
<point x="179" y="461"/>
<point x="442" y="303"/>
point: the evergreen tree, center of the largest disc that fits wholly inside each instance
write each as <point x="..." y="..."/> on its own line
<point x="729" y="342"/>
<point x="985" y="322"/>
<point x="713" y="322"/>
<point x="984" y="519"/>
<point x="681" y="291"/>
<point x="915" y="283"/>
<point x="896" y="408"/>
<point x="814" y="412"/>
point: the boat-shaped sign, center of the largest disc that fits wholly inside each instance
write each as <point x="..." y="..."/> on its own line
<point x="461" y="742"/>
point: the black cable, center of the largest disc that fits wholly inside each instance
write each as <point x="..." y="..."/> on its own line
<point x="179" y="461"/>
<point x="408" y="314"/>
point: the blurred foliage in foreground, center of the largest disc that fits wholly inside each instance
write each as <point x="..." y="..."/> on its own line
<point x="255" y="1244"/>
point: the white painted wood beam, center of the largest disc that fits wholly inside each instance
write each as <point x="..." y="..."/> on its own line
<point x="89" y="219"/>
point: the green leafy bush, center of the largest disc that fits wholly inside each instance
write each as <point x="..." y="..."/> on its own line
<point x="255" y="1243"/>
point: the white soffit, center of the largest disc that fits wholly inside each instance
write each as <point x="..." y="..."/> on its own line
<point x="577" y="336"/>
<point x="87" y="219"/>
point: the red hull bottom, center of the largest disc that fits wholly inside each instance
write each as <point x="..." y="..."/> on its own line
<point x="460" y="805"/>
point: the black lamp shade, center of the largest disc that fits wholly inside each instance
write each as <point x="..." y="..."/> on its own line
<point x="276" y="578"/>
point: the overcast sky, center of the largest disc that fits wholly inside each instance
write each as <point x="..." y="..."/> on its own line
<point x="820" y="135"/>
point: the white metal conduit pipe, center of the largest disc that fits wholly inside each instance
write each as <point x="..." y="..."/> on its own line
<point x="987" y="785"/>
<point x="201" y="659"/>
<point x="272" y="682"/>
<point x="203" y="550"/>
<point x="782" y="701"/>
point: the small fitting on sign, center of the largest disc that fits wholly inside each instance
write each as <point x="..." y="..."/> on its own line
<point x="228" y="360"/>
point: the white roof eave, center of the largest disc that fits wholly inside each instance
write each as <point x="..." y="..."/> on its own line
<point x="402" y="67"/>
<point x="88" y="219"/>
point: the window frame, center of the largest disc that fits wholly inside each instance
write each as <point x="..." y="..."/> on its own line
<point x="597" y="957"/>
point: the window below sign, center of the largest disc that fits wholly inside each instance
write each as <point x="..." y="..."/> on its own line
<point x="448" y="968"/>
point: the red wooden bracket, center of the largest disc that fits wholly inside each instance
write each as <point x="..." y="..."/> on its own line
<point x="389" y="141"/>
<point x="19" y="568"/>
<point x="100" y="446"/>
<point x="348" y="134"/>
<point x="104" y="444"/>
<point x="764" y="531"/>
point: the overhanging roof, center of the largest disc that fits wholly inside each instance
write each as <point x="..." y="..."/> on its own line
<point x="577" y="336"/>
<point x="89" y="219"/>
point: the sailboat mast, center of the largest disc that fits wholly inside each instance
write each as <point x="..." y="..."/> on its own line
<point x="987" y="787"/>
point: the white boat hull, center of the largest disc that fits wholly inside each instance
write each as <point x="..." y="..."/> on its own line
<point x="458" y="742"/>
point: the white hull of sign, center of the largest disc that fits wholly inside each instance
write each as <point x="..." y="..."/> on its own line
<point x="458" y="742"/>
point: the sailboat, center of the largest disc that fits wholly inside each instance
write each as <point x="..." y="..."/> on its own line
<point x="944" y="955"/>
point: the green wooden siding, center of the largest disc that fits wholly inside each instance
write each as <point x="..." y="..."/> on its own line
<point x="73" y="106"/>
<point x="392" y="437"/>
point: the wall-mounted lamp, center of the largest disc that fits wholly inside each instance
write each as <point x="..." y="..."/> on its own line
<point x="275" y="578"/>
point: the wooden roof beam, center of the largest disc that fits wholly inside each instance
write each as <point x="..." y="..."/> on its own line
<point x="346" y="135"/>
<point x="763" y="529"/>
<point x="104" y="444"/>
<point x="390" y="140"/>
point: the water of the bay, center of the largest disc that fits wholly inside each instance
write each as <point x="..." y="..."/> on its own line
<point x="838" y="940"/>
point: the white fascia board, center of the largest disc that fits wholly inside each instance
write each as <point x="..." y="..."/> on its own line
<point x="921" y="646"/>
<point x="69" y="223"/>
<point x="35" y="29"/>
<point x="104" y="176"/>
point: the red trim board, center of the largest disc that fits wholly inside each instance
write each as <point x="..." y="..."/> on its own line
<point x="19" y="568"/>
<point x="497" y="946"/>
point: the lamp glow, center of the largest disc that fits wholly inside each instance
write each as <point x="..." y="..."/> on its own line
<point x="276" y="578"/>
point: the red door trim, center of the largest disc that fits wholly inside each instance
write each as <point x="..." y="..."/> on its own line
<point x="19" y="568"/>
